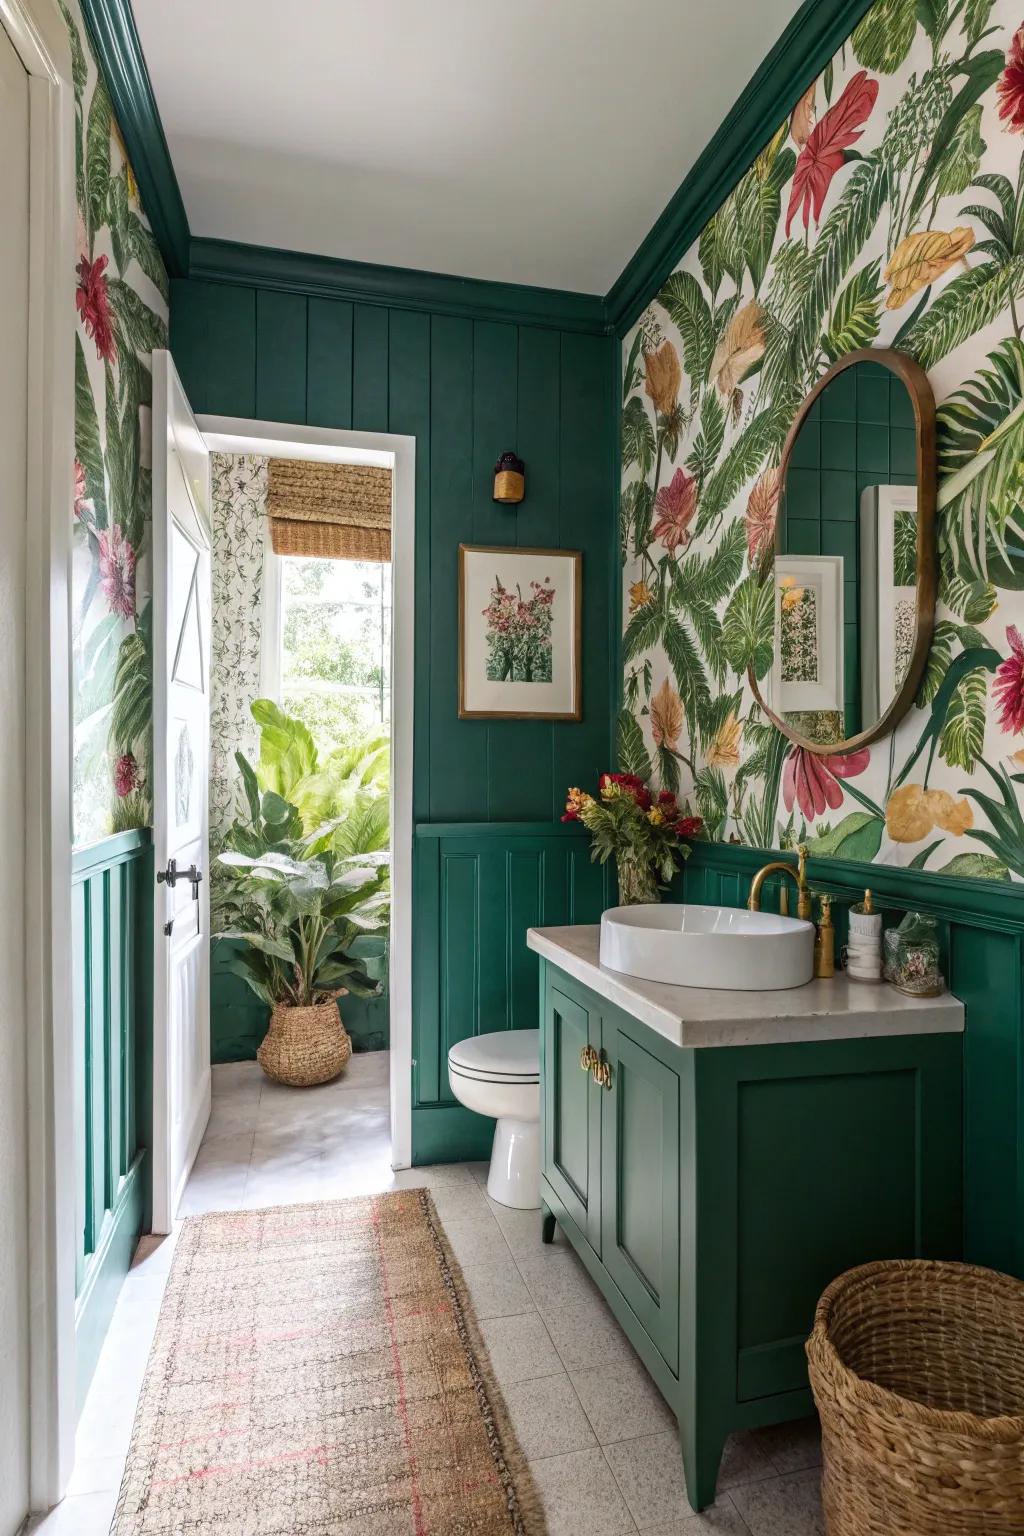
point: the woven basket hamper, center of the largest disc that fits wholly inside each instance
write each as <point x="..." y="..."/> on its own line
<point x="305" y="1046"/>
<point x="917" y="1369"/>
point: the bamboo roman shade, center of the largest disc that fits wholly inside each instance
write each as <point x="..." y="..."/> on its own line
<point x="332" y="511"/>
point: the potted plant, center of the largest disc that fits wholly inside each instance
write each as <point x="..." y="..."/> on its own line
<point x="644" y="832"/>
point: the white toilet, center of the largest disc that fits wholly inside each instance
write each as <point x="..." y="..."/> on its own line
<point x="499" y="1075"/>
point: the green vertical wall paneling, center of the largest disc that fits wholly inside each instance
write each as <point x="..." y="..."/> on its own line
<point x="280" y="356"/>
<point x="370" y="368"/>
<point x="981" y="928"/>
<point x="215" y="323"/>
<point x="113" y="1058"/>
<point x="329" y="363"/>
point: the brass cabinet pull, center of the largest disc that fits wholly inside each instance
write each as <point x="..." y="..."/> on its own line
<point x="588" y="1058"/>
<point x="601" y="1071"/>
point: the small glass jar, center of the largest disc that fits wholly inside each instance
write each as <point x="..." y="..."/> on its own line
<point x="912" y="956"/>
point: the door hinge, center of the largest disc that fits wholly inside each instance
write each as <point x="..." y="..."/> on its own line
<point x="168" y="926"/>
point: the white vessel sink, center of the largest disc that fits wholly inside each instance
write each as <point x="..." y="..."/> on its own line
<point x="696" y="946"/>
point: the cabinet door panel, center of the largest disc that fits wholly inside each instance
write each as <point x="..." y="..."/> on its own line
<point x="572" y="1111"/>
<point x="640" y="1218"/>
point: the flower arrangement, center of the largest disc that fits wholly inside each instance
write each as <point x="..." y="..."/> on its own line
<point x="644" y="832"/>
<point x="519" y="633"/>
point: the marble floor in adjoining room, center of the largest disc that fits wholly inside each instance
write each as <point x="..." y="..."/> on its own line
<point x="602" y="1444"/>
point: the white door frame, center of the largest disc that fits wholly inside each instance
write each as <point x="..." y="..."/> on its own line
<point x="37" y="31"/>
<point x="230" y="434"/>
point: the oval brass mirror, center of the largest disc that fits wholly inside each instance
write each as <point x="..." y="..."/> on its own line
<point x="853" y="569"/>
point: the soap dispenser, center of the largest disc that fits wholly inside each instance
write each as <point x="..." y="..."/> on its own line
<point x="825" y="941"/>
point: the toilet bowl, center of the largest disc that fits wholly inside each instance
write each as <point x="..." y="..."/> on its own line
<point x="499" y="1075"/>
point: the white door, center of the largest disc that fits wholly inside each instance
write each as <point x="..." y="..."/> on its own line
<point x="181" y="757"/>
<point x="14" y="1297"/>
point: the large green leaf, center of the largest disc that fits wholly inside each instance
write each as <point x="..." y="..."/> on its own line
<point x="87" y="439"/>
<point x="707" y="444"/>
<point x="637" y="437"/>
<point x="139" y="328"/>
<point x="712" y="798"/>
<point x="685" y="661"/>
<point x="637" y="508"/>
<point x="962" y="738"/>
<point x="882" y="39"/>
<point x="688" y="309"/>
<point x="132" y="712"/>
<point x="976" y="18"/>
<point x="287" y="750"/>
<point x="973" y="601"/>
<point x="97" y="160"/>
<point x="764" y="434"/>
<point x="963" y="159"/>
<point x="632" y="755"/>
<point x="981" y="656"/>
<point x="748" y="630"/>
<point x="981" y="71"/>
<point x="976" y="866"/>
<point x="855" y="316"/>
<point x="973" y="300"/>
<point x="758" y="209"/>
<point x="718" y="247"/>
<point x="981" y="448"/>
<point x="79" y="67"/>
<point x="857" y="836"/>
<point x="643" y="631"/>
<point x="146" y="252"/>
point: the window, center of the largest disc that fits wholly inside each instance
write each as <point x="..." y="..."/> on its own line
<point x="330" y="645"/>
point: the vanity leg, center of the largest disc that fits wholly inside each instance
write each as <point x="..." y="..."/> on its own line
<point x="547" y="1225"/>
<point x="702" y="1455"/>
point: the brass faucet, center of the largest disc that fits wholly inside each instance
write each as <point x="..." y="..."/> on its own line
<point x="799" y="879"/>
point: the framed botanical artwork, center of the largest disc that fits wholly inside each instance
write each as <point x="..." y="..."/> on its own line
<point x="888" y="592"/>
<point x="808" y="670"/>
<point x="519" y="633"/>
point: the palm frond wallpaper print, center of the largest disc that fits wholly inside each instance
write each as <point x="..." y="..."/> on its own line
<point x="887" y="210"/>
<point x="121" y="303"/>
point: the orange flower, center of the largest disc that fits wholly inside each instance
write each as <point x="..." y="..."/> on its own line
<point x="724" y="751"/>
<point x="801" y="124"/>
<point x="664" y="377"/>
<point x="675" y="506"/>
<point x="739" y="348"/>
<point x="912" y="811"/>
<point x="640" y="595"/>
<point x="762" y="510"/>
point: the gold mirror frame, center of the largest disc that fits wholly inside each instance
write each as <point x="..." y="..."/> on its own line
<point x="915" y="379"/>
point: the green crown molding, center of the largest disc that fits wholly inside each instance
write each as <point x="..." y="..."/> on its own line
<point x="818" y="29"/>
<point x="123" y="65"/>
<point x="226" y="261"/>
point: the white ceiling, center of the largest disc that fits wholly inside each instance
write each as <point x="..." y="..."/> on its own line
<point x="529" y="141"/>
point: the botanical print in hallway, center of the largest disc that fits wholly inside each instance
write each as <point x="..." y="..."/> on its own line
<point x="887" y="210"/>
<point x="121" y="304"/>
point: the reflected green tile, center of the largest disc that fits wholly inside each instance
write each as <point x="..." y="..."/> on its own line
<point x="838" y="496"/>
<point x="873" y="447"/>
<point x="901" y="406"/>
<point x="840" y="539"/>
<point x="902" y="451"/>
<point x="803" y="493"/>
<point x="872" y="396"/>
<point x="805" y="452"/>
<point x="803" y="537"/>
<point x="839" y="400"/>
<point x="838" y="445"/>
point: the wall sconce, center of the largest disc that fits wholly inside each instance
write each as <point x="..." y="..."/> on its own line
<point x="509" y="479"/>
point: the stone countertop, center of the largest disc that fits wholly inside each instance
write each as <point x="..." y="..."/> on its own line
<point x="836" y="1009"/>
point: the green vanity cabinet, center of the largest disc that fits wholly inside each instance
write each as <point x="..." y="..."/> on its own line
<point x="714" y="1192"/>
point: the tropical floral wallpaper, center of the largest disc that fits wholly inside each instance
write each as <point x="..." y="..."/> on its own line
<point x="121" y="303"/>
<point x="239" y="517"/>
<point x="887" y="210"/>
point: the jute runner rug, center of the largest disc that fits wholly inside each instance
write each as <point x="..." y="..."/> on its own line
<point x="317" y="1371"/>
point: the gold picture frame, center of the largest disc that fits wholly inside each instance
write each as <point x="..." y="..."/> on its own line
<point x="487" y="573"/>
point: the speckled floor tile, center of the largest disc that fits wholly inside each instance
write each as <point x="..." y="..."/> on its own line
<point x="722" y="1519"/>
<point x="792" y="1447"/>
<point x="783" y="1506"/>
<point x="496" y="1288"/>
<point x="621" y="1401"/>
<point x="649" y="1472"/>
<point x="519" y="1348"/>
<point x="547" y="1417"/>
<point x="580" y="1496"/>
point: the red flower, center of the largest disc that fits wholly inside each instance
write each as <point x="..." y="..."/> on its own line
<point x="689" y="826"/>
<point x="675" y="505"/>
<point x="813" y="781"/>
<point x="92" y="300"/>
<point x="126" y="775"/>
<point x="666" y="798"/>
<point x="83" y="506"/>
<point x="631" y="784"/>
<point x="1008" y="688"/>
<point x="117" y="571"/>
<point x="825" y="150"/>
<point x="1010" y="87"/>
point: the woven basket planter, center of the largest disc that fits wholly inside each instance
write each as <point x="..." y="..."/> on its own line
<point x="304" y="1046"/>
<point x="918" y="1374"/>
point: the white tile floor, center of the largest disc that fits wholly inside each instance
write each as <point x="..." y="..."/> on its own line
<point x="601" y="1442"/>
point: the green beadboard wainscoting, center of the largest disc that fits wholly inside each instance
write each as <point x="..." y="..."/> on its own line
<point x="111" y="938"/>
<point x="981" y="927"/>
<point x="467" y="388"/>
<point x="476" y="891"/>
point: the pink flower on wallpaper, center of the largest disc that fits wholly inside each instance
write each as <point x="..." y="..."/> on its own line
<point x="825" y="150"/>
<point x="117" y="571"/>
<point x="1010" y="87"/>
<point x="812" y="781"/>
<point x="126" y="774"/>
<point x="83" y="505"/>
<point x="675" y="507"/>
<point x="1008" y="688"/>
<point x="92" y="300"/>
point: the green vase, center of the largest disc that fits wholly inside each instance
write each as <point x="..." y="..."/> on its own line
<point x="637" y="882"/>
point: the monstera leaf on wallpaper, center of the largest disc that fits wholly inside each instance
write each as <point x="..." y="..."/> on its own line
<point x="882" y="39"/>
